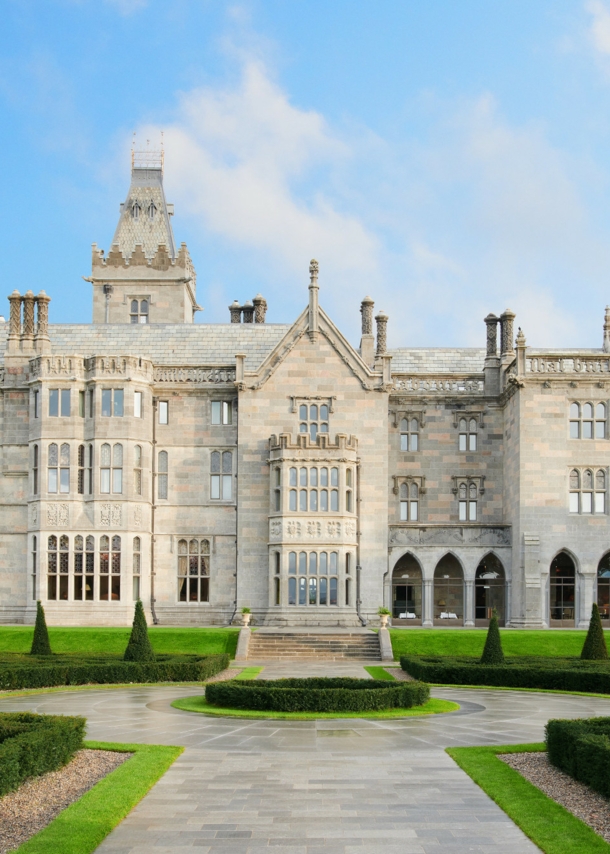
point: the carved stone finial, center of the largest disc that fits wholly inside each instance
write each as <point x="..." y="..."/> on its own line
<point x="313" y="272"/>
<point x="507" y="319"/>
<point x="606" y="345"/>
<point x="366" y="310"/>
<point x="235" y="310"/>
<point x="520" y="339"/>
<point x="260" y="308"/>
<point x="492" y="334"/>
<point x="248" y="312"/>
<point x="382" y="332"/>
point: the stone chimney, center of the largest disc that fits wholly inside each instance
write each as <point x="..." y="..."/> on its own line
<point x="491" y="367"/>
<point x="235" y="310"/>
<point x="248" y="312"/>
<point x="606" y="346"/>
<point x="507" y="319"/>
<point x="382" y="333"/>
<point x="260" y="308"/>
<point x="367" y="342"/>
<point x="42" y="342"/>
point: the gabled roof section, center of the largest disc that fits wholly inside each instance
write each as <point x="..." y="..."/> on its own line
<point x="145" y="215"/>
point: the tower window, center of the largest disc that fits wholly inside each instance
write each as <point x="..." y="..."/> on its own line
<point x="139" y="311"/>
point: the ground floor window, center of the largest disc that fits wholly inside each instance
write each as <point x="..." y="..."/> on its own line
<point x="407" y="591"/>
<point x="313" y="578"/>
<point x="193" y="570"/>
<point x="71" y="568"/>
<point x="562" y="590"/>
<point x="603" y="587"/>
<point x="489" y="591"/>
<point x="448" y="603"/>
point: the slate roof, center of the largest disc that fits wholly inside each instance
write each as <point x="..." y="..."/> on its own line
<point x="429" y="360"/>
<point x="146" y="189"/>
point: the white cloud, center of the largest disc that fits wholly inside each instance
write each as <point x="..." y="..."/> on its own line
<point x="600" y="26"/>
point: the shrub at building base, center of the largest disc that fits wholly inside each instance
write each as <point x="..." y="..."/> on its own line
<point x="492" y="651"/>
<point x="559" y="675"/>
<point x="581" y="748"/>
<point x="186" y="668"/>
<point x="594" y="647"/>
<point x="139" y="647"/>
<point x="316" y="695"/>
<point x="40" y="642"/>
<point x="31" y="745"/>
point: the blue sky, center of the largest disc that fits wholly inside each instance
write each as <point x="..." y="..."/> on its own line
<point x="449" y="159"/>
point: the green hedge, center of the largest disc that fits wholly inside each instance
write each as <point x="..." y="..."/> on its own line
<point x="31" y="745"/>
<point x="317" y="695"/>
<point x="561" y="675"/>
<point x="581" y="748"/>
<point x="106" y="671"/>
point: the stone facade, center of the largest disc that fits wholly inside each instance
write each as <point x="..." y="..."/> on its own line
<point x="209" y="467"/>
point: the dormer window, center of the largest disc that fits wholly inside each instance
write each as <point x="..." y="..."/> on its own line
<point x="152" y="210"/>
<point x="139" y="311"/>
<point x="136" y="210"/>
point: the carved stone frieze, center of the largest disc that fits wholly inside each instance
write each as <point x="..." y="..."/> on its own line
<point x="210" y="376"/>
<point x="58" y="515"/>
<point x="308" y="530"/>
<point x="137" y="516"/>
<point x="111" y="515"/>
<point x="438" y="385"/>
<point x="561" y="365"/>
<point x="475" y="535"/>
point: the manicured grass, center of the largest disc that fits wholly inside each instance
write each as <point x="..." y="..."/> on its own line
<point x="456" y="642"/>
<point x="85" y="641"/>
<point x="249" y="673"/>
<point x="81" y="827"/>
<point x="380" y="673"/>
<point x="551" y="827"/>
<point x="199" y="704"/>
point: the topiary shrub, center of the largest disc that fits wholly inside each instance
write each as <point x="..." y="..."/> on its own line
<point x="40" y="642"/>
<point x="594" y="646"/>
<point x="492" y="651"/>
<point x="139" y="647"/>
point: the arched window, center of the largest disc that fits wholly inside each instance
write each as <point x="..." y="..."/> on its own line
<point x="137" y="470"/>
<point x="53" y="467"/>
<point x="64" y="567"/>
<point x="136" y="567"/>
<point x="81" y="470"/>
<point x="603" y="588"/>
<point x="162" y="475"/>
<point x="34" y="565"/>
<point x="117" y="468"/>
<point x="138" y="311"/>
<point x="409" y="434"/>
<point x="35" y="470"/>
<point x="52" y="567"/>
<point x="409" y="502"/>
<point x="562" y="579"/>
<point x="587" y="491"/>
<point x="78" y="567"/>
<point x="588" y="420"/>
<point x="221" y="475"/>
<point x="64" y="468"/>
<point x="193" y="570"/>
<point x="151" y="210"/>
<point x="467" y="434"/>
<point x="136" y="210"/>
<point x="105" y="460"/>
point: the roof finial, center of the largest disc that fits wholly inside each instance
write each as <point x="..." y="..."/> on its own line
<point x="313" y="273"/>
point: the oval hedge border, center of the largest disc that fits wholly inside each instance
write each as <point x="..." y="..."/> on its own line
<point x="316" y="695"/>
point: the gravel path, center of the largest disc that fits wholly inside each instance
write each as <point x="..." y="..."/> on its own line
<point x="36" y="803"/>
<point x="579" y="799"/>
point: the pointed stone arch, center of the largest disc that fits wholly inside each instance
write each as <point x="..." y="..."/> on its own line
<point x="407" y="590"/>
<point x="448" y="598"/>
<point x="603" y="587"/>
<point x="562" y="589"/>
<point x="490" y="590"/>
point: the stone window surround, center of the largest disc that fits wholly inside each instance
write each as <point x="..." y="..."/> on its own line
<point x="186" y="554"/>
<point x="69" y="568"/>
<point x="479" y="482"/>
<point x="594" y="419"/>
<point x="409" y="413"/>
<point x="593" y="491"/>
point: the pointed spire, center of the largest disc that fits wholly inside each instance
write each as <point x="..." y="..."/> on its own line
<point x="313" y="298"/>
<point x="606" y="345"/>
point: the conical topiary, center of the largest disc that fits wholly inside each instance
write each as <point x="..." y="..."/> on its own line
<point x="492" y="651"/>
<point x="139" y="648"/>
<point x="595" y="643"/>
<point x="40" y="641"/>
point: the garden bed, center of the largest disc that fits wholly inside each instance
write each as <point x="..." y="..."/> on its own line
<point x="559" y="674"/>
<point x="317" y="695"/>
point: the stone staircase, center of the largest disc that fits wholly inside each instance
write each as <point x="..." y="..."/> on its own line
<point x="285" y="646"/>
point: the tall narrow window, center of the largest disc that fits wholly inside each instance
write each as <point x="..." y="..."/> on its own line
<point x="600" y="491"/>
<point x="587" y="492"/>
<point x="81" y="470"/>
<point x="137" y="404"/>
<point x="81" y="404"/>
<point x="600" y="421"/>
<point x="53" y="468"/>
<point x="277" y="495"/>
<point x="193" y="570"/>
<point x="112" y="402"/>
<point x="79" y="566"/>
<point x="222" y="412"/>
<point x="137" y="567"/>
<point x="117" y="468"/>
<point x="292" y="495"/>
<point x="65" y="402"/>
<point x="36" y="403"/>
<point x="35" y="470"/>
<point x="409" y="434"/>
<point x="162" y="475"/>
<point x="574" y="489"/>
<point x="64" y="567"/>
<point x="349" y="495"/>
<point x="163" y="412"/>
<point x="91" y="397"/>
<point x="64" y="468"/>
<point x="89" y="567"/>
<point x="409" y="502"/>
<point x="221" y="475"/>
<point x="104" y="567"/>
<point x="468" y="434"/>
<point x="105" y="459"/>
<point x="89" y="469"/>
<point x="467" y="501"/>
<point x="115" y="575"/>
<point x="34" y="565"/>
<point x="52" y="567"/>
<point x="106" y="402"/>
<point x="53" y="402"/>
<point x="136" y="210"/>
<point x="137" y="470"/>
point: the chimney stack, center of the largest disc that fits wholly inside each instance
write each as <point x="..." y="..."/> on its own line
<point x="382" y="333"/>
<point x="260" y="308"/>
<point x="248" y="312"/>
<point x="367" y="342"/>
<point x="235" y="309"/>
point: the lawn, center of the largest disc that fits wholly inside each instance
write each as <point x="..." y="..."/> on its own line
<point x="87" y="641"/>
<point x="81" y="827"/>
<point x="470" y="642"/>
<point x="551" y="827"/>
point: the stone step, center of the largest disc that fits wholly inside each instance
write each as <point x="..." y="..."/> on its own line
<point x="292" y="646"/>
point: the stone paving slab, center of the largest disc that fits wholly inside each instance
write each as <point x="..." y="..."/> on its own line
<point x="350" y="786"/>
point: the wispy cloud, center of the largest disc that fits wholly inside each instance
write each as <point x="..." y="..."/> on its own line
<point x="600" y="26"/>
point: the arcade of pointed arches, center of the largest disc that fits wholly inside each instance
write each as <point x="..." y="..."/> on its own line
<point x="448" y="592"/>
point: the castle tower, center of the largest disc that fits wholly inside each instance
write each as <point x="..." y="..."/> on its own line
<point x="144" y="279"/>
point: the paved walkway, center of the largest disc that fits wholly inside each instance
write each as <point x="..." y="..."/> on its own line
<point x="314" y="787"/>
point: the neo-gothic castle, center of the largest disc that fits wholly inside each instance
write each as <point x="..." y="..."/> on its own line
<point x="206" y="467"/>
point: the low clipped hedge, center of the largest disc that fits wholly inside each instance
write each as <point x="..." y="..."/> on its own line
<point x="581" y="748"/>
<point x="316" y="695"/>
<point x="553" y="675"/>
<point x="31" y="745"/>
<point x="56" y="670"/>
